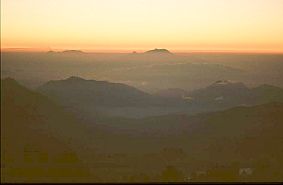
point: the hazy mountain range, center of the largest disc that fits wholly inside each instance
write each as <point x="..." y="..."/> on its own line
<point x="141" y="117"/>
<point x="37" y="134"/>
<point x="149" y="72"/>
<point x="120" y="99"/>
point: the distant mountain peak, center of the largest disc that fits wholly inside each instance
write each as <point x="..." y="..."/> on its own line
<point x="158" y="51"/>
<point x="73" y="51"/>
<point x="66" y="52"/>
<point x="72" y="78"/>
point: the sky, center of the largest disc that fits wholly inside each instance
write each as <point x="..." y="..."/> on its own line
<point x="127" y="25"/>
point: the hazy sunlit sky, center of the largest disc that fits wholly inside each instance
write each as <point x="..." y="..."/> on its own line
<point x="120" y="25"/>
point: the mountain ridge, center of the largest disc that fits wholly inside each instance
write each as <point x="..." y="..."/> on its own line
<point x="102" y="93"/>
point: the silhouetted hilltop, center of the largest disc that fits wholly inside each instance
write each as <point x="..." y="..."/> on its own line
<point x="151" y="57"/>
<point x="158" y="51"/>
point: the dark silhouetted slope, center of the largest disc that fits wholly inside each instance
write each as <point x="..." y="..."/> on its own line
<point x="34" y="138"/>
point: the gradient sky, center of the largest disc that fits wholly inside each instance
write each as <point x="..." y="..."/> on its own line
<point x="180" y="25"/>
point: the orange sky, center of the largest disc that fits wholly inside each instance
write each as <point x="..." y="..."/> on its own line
<point x="126" y="25"/>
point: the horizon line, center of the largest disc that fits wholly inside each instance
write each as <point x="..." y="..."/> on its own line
<point x="125" y="51"/>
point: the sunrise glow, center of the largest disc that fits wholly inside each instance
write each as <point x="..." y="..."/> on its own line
<point x="127" y="25"/>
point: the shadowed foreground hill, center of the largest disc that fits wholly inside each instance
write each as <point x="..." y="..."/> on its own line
<point x="219" y="143"/>
<point x="255" y="131"/>
<point x="224" y="141"/>
<point x="241" y="137"/>
<point x="35" y="146"/>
